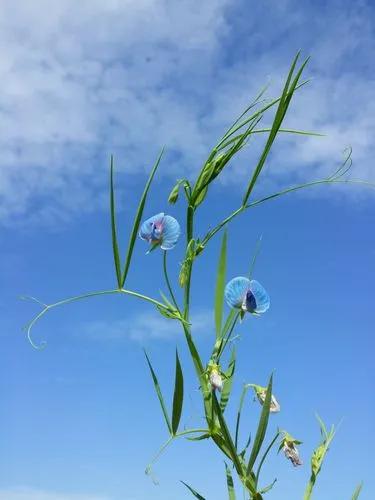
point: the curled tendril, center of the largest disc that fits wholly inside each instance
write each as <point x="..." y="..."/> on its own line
<point x="345" y="166"/>
<point x="28" y="327"/>
<point x="33" y="299"/>
<point x="46" y="307"/>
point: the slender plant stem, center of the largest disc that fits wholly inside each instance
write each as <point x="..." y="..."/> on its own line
<point x="189" y="236"/>
<point x="169" y="286"/>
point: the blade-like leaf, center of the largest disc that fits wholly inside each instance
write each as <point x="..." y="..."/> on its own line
<point x="262" y="427"/>
<point x="226" y="435"/>
<point x="220" y="285"/>
<point x="137" y="220"/>
<point x="178" y="396"/>
<point x="282" y="108"/>
<point x="195" y="493"/>
<point x="115" y="248"/>
<point x="262" y="460"/>
<point x="268" y="488"/>
<point x="357" y="492"/>
<point x="242" y="399"/>
<point x="159" y="394"/>
<point x="230" y="485"/>
<point x="227" y="386"/>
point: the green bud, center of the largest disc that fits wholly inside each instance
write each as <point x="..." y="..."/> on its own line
<point x="185" y="266"/>
<point x="173" y="195"/>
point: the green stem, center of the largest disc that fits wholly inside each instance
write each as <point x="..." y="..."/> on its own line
<point x="189" y="236"/>
<point x="308" y="490"/>
<point x="169" y="286"/>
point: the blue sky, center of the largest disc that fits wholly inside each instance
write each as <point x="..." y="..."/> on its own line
<point x="79" y="420"/>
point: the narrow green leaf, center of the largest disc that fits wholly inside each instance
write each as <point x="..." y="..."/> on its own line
<point x="262" y="428"/>
<point x="242" y="399"/>
<point x="115" y="248"/>
<point x="137" y="219"/>
<point x="230" y="484"/>
<point x="227" y="386"/>
<point x="159" y="394"/>
<point x="195" y="493"/>
<point x="269" y="487"/>
<point x="220" y="285"/>
<point x="178" y="396"/>
<point x="227" y="437"/>
<point x="278" y="119"/>
<point x="357" y="492"/>
<point x="262" y="460"/>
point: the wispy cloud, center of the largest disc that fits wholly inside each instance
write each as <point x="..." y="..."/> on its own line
<point x="36" y="494"/>
<point x="90" y="78"/>
<point x="127" y="77"/>
<point x="145" y="326"/>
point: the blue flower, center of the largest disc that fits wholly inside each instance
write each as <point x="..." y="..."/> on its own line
<point x="247" y="295"/>
<point x="161" y="230"/>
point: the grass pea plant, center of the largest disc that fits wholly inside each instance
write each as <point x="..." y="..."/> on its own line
<point x="244" y="295"/>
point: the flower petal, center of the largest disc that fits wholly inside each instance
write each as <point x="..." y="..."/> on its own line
<point x="146" y="231"/>
<point x="170" y="232"/>
<point x="262" y="299"/>
<point x="235" y="291"/>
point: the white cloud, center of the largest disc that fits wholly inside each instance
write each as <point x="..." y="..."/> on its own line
<point x="81" y="79"/>
<point x="127" y="77"/>
<point x="35" y="494"/>
<point x="150" y="325"/>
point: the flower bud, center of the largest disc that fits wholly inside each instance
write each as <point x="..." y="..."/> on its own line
<point x="173" y="196"/>
<point x="214" y="376"/>
<point x="261" y="393"/>
<point x="216" y="380"/>
<point x="289" y="447"/>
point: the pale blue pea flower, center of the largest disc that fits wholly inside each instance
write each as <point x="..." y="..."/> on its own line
<point x="247" y="295"/>
<point x="162" y="230"/>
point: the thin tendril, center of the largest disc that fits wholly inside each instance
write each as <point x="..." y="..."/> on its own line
<point x="46" y="307"/>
